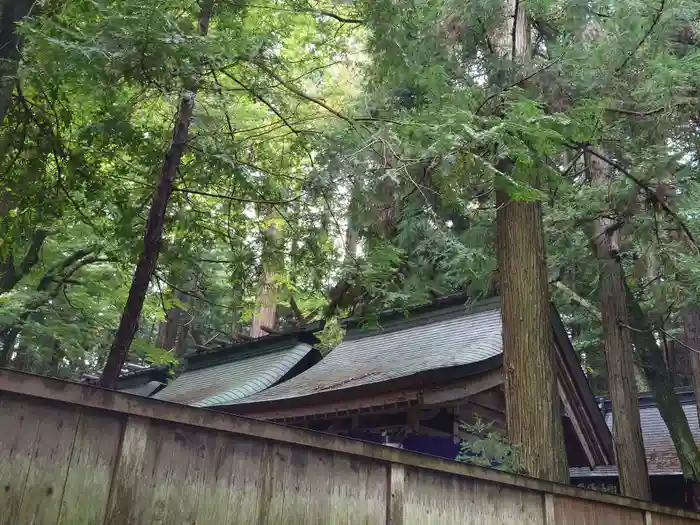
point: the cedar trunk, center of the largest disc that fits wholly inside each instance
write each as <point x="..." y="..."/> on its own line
<point x="153" y="238"/>
<point x="12" y="12"/>
<point x="661" y="383"/>
<point x="533" y="407"/>
<point x="533" y="411"/>
<point x="617" y="344"/>
<point x="691" y="332"/>
<point x="618" y="349"/>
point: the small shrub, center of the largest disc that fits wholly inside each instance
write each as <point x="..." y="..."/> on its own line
<point x="489" y="449"/>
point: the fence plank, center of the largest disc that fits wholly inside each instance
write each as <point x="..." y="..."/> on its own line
<point x="43" y="492"/>
<point x="90" y="471"/>
<point x="661" y="519"/>
<point x="549" y="514"/>
<point x="242" y="479"/>
<point x="570" y="511"/>
<point x="396" y="494"/>
<point x="133" y="474"/>
<point x="190" y="449"/>
<point x="18" y="430"/>
<point x="303" y="486"/>
<point x="435" y="499"/>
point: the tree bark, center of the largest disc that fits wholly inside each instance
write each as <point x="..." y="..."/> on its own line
<point x="533" y="407"/>
<point x="533" y="412"/>
<point x="11" y="13"/>
<point x="266" y="311"/>
<point x="661" y="383"/>
<point x="619" y="357"/>
<point x="153" y="238"/>
<point x="691" y="332"/>
<point x="10" y="275"/>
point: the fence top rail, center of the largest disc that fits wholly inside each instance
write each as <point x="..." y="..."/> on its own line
<point x="67" y="392"/>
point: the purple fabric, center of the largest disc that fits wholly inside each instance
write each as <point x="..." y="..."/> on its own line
<point x="443" y="447"/>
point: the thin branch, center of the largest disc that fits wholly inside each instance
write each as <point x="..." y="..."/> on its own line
<point x="300" y="93"/>
<point x="338" y="17"/>
<point x="664" y="332"/>
<point x="269" y="105"/>
<point x="200" y="297"/>
<point x="329" y="14"/>
<point x="647" y="189"/>
<point x="589" y="306"/>
<point x="236" y="199"/>
<point x="518" y="82"/>
<point x="659" y="12"/>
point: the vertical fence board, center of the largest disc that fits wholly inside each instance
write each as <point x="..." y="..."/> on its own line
<point x="18" y="430"/>
<point x="241" y="479"/>
<point x="661" y="519"/>
<point x="358" y="493"/>
<point x="433" y="498"/>
<point x="319" y="488"/>
<point x="396" y="504"/>
<point x="572" y="511"/>
<point x="291" y="482"/>
<point x="91" y="469"/>
<point x="213" y="503"/>
<point x="132" y="476"/>
<point x="152" y="501"/>
<point x="189" y="460"/>
<point x="43" y="492"/>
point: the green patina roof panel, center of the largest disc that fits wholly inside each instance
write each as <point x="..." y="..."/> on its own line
<point x="227" y="382"/>
<point x="463" y="335"/>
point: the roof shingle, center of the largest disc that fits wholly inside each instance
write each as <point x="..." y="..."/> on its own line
<point x="439" y="340"/>
<point x="660" y="451"/>
<point x="238" y="377"/>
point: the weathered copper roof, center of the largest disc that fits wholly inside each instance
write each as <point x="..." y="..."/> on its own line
<point x="429" y="341"/>
<point x="660" y="452"/>
<point x="223" y="376"/>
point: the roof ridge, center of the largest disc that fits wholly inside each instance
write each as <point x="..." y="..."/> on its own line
<point x="454" y="307"/>
<point x="259" y="346"/>
<point x="221" y="357"/>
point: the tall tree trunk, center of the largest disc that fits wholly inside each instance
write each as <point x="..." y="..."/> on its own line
<point x="533" y="408"/>
<point x="661" y="383"/>
<point x="11" y="13"/>
<point x="618" y="349"/>
<point x="10" y="274"/>
<point x="265" y="315"/>
<point x="352" y="235"/>
<point x="691" y="332"/>
<point x="533" y="411"/>
<point x="153" y="238"/>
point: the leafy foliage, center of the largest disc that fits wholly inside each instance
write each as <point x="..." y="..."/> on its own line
<point x="488" y="449"/>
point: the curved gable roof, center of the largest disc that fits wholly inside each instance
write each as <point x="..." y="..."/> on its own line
<point x="225" y="381"/>
<point x="461" y="336"/>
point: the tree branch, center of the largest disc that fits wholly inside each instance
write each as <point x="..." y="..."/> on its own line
<point x="11" y="276"/>
<point x="585" y="303"/>
<point x="651" y="194"/>
<point x="655" y="21"/>
<point x="300" y="93"/>
<point x="237" y="199"/>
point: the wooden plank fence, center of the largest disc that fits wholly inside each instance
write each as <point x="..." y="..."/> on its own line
<point x="77" y="455"/>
